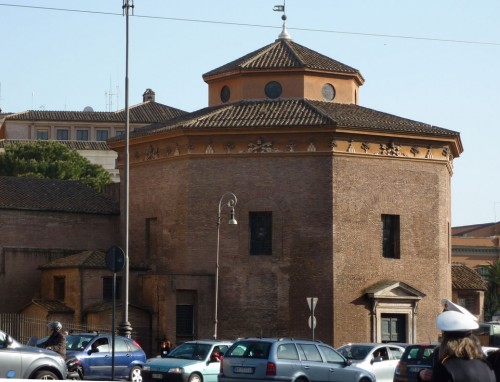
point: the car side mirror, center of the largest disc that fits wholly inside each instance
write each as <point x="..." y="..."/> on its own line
<point x="348" y="362"/>
<point x="8" y="341"/>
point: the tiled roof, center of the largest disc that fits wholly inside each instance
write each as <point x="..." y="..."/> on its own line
<point x="72" y="145"/>
<point x="294" y="113"/>
<point x="146" y="112"/>
<point x="85" y="259"/>
<point x="465" y="278"/>
<point x="283" y="54"/>
<point x="53" y="195"/>
<point x="53" y="306"/>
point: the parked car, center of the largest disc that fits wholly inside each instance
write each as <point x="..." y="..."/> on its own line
<point x="415" y="358"/>
<point x="189" y="362"/>
<point x="379" y="359"/>
<point x="28" y="362"/>
<point x="94" y="353"/>
<point x="287" y="359"/>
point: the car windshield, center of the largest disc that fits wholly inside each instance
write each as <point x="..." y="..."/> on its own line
<point x="355" y="352"/>
<point x="78" y="341"/>
<point x="192" y="350"/>
<point x="420" y="354"/>
<point x="249" y="349"/>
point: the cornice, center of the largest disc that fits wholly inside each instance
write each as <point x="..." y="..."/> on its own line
<point x="285" y="145"/>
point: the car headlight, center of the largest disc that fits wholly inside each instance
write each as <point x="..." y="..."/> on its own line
<point x="176" y="370"/>
<point x="146" y="368"/>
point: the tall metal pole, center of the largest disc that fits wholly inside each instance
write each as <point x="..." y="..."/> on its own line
<point x="125" y="327"/>
<point x="231" y="203"/>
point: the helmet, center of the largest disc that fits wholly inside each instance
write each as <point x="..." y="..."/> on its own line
<point x="55" y="325"/>
<point x="450" y="305"/>
<point x="453" y="321"/>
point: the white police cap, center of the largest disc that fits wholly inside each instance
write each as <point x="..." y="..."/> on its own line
<point x="453" y="321"/>
<point x="450" y="305"/>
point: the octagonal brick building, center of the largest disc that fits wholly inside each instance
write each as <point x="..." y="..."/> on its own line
<point x="334" y="200"/>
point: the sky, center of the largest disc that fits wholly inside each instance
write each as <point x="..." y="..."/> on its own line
<point x="432" y="61"/>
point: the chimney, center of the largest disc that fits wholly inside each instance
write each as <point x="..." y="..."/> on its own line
<point x="149" y="95"/>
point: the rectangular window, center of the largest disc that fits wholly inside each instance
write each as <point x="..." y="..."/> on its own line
<point x="390" y="236"/>
<point x="42" y="134"/>
<point x="62" y="134"/>
<point x="59" y="287"/>
<point x="82" y="135"/>
<point x="261" y="233"/>
<point x="107" y="288"/>
<point x="184" y="320"/>
<point x="151" y="236"/>
<point x="101" y="135"/>
<point x="119" y="132"/>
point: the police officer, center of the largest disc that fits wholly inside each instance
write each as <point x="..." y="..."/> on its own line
<point x="460" y="355"/>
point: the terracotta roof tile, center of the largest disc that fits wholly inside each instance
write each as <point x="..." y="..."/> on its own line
<point x="293" y="113"/>
<point x="86" y="260"/>
<point x="465" y="278"/>
<point x="53" y="306"/>
<point x="283" y="54"/>
<point x="146" y="112"/>
<point x="53" y="195"/>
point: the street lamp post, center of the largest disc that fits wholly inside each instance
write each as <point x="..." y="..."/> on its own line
<point x="231" y="202"/>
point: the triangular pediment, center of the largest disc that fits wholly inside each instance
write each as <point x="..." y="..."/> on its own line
<point x="393" y="290"/>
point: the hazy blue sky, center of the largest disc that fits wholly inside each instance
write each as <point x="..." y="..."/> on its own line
<point x="435" y="61"/>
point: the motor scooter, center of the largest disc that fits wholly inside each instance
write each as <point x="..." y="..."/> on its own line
<point x="73" y="364"/>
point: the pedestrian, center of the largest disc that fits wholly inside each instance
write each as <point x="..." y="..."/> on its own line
<point x="493" y="359"/>
<point x="460" y="357"/>
<point x="56" y="341"/>
<point x="165" y="347"/>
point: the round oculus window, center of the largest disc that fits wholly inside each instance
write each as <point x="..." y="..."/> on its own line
<point x="225" y="94"/>
<point x="328" y="92"/>
<point x="273" y="89"/>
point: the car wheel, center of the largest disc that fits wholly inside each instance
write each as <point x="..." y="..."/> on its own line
<point x="136" y="374"/>
<point x="45" y="374"/>
<point x="195" y="378"/>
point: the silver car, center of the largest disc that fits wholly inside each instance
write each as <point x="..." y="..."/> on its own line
<point x="379" y="359"/>
<point x="28" y="362"/>
<point x="287" y="359"/>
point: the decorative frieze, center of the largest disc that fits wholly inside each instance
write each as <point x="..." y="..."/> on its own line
<point x="263" y="145"/>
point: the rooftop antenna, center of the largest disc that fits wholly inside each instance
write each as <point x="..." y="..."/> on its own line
<point x="284" y="35"/>
<point x="109" y="97"/>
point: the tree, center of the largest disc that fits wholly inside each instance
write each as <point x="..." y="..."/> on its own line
<point x="492" y="297"/>
<point x="51" y="160"/>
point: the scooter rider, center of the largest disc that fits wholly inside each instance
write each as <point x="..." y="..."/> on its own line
<point x="56" y="341"/>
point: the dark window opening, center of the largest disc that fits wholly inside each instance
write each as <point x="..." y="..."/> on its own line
<point x="107" y="288"/>
<point x="185" y="320"/>
<point x="261" y="233"/>
<point x="59" y="287"/>
<point x="390" y="236"/>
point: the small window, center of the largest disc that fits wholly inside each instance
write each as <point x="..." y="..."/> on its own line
<point x="390" y="236"/>
<point x="62" y="134"/>
<point x="82" y="135"/>
<point x="273" y="89"/>
<point x="59" y="287"/>
<point x="261" y="233"/>
<point x="107" y="288"/>
<point x="42" y="135"/>
<point x="101" y="135"/>
<point x="225" y="94"/>
<point x="119" y="132"/>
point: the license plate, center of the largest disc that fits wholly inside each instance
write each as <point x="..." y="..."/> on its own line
<point x="242" y="370"/>
<point x="157" y="376"/>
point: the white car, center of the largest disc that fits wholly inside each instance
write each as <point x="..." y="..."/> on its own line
<point x="379" y="359"/>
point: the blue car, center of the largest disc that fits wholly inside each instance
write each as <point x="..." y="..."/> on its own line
<point x="193" y="361"/>
<point x="94" y="354"/>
